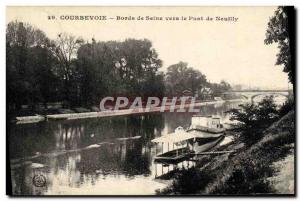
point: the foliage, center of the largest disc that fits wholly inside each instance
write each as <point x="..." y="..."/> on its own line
<point x="279" y="31"/>
<point x="187" y="181"/>
<point x="74" y="72"/>
<point x="254" y="118"/>
<point x="249" y="171"/>
<point x="78" y="73"/>
<point x="29" y="66"/>
<point x="64" y="49"/>
<point x="220" y="88"/>
<point x="181" y="77"/>
<point x="287" y="106"/>
<point x="128" y="68"/>
<point x="246" y="172"/>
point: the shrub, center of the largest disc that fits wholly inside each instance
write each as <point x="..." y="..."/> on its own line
<point x="188" y="181"/>
<point x="287" y="106"/>
<point x="254" y="118"/>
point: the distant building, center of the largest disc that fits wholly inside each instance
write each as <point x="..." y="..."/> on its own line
<point x="206" y="93"/>
<point x="186" y="93"/>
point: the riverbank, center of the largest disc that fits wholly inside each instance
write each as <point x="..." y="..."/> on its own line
<point x="257" y="169"/>
<point x="283" y="180"/>
<point x="110" y="113"/>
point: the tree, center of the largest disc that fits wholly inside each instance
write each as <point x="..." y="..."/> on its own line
<point x="43" y="80"/>
<point x="225" y="86"/>
<point x="128" y="68"/>
<point x="64" y="48"/>
<point x="180" y="77"/>
<point x="137" y="63"/>
<point x="219" y="88"/>
<point x="27" y="60"/>
<point x="254" y="118"/>
<point x="280" y="30"/>
<point x="96" y="67"/>
<point x="153" y="85"/>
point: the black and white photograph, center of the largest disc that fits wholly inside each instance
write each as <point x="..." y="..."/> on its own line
<point x="150" y="101"/>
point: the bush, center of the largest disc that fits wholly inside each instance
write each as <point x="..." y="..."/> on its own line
<point x="254" y="118"/>
<point x="188" y="181"/>
<point x="287" y="106"/>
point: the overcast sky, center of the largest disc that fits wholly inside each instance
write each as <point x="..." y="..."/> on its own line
<point x="233" y="51"/>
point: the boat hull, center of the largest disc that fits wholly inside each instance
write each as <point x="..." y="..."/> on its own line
<point x="200" y="146"/>
<point x="174" y="156"/>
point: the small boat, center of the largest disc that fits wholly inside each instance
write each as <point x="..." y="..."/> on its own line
<point x="179" y="140"/>
<point x="30" y="119"/>
<point x="174" y="156"/>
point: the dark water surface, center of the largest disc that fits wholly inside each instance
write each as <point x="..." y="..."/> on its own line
<point x="94" y="156"/>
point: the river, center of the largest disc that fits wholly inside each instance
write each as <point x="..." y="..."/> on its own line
<point x="94" y="156"/>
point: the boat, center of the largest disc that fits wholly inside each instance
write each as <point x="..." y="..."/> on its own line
<point x="174" y="156"/>
<point x="207" y="123"/>
<point x="30" y="119"/>
<point x="209" y="131"/>
<point x="186" y="144"/>
<point x="180" y="141"/>
<point x="205" y="141"/>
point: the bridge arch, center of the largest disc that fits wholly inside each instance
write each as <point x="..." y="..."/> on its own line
<point x="267" y="94"/>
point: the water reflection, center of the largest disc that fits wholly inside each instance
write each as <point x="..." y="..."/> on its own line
<point x="95" y="156"/>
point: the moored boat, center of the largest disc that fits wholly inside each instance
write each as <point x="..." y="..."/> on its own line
<point x="175" y="156"/>
<point x="187" y="144"/>
<point x="209" y="131"/>
<point x="180" y="141"/>
<point x="207" y="123"/>
<point x="206" y="141"/>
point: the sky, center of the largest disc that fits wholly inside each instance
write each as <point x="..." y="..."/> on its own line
<point x="222" y="50"/>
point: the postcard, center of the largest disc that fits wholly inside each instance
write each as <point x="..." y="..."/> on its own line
<point x="150" y="101"/>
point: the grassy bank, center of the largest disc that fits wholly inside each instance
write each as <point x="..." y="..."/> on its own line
<point x="246" y="172"/>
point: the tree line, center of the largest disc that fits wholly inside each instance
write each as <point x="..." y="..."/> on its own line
<point x="79" y="73"/>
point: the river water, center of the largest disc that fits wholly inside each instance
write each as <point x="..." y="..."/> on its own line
<point x="94" y="156"/>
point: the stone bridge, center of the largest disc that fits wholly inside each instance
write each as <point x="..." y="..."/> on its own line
<point x="251" y="94"/>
